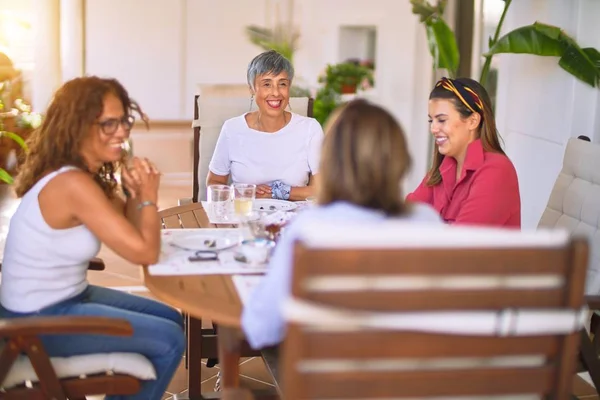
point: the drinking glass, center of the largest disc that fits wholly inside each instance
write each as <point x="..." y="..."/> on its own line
<point x="218" y="198"/>
<point x="243" y="199"/>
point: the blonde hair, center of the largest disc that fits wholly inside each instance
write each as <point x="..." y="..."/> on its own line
<point x="364" y="159"/>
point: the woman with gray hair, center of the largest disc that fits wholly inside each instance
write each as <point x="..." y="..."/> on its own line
<point x="275" y="149"/>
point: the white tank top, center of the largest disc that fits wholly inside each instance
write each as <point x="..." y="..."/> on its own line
<point x="42" y="265"/>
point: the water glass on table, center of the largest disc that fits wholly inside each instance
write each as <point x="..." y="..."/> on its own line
<point x="243" y="199"/>
<point x="219" y="198"/>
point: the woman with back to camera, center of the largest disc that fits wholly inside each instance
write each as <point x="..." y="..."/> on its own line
<point x="471" y="180"/>
<point x="70" y="205"/>
<point x="275" y="149"/>
<point x="363" y="164"/>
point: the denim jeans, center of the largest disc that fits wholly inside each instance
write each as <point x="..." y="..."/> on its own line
<point x="157" y="333"/>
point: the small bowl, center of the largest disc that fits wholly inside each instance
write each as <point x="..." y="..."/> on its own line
<point x="257" y="251"/>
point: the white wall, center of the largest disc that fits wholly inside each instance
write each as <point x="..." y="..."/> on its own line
<point x="140" y="42"/>
<point x="539" y="105"/>
<point x="161" y="49"/>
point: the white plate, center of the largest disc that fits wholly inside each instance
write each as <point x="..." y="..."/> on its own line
<point x="273" y="205"/>
<point x="199" y="241"/>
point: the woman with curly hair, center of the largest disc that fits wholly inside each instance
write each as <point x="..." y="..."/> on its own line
<point x="70" y="205"/>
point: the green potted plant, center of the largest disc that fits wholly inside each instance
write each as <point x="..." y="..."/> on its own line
<point x="538" y="39"/>
<point x="345" y="78"/>
<point x="22" y="120"/>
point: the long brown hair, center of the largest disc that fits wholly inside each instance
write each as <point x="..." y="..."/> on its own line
<point x="364" y="159"/>
<point x="479" y="102"/>
<point x="76" y="106"/>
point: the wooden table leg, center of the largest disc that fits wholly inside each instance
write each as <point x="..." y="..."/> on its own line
<point x="194" y="354"/>
<point x="229" y="342"/>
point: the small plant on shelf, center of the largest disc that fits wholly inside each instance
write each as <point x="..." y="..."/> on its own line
<point x="346" y="77"/>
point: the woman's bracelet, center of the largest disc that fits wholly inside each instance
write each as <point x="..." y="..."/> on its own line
<point x="280" y="190"/>
<point x="146" y="203"/>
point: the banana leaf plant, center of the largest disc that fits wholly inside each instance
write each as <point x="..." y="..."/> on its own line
<point x="547" y="40"/>
<point x="282" y="39"/>
<point x="537" y="39"/>
<point x="440" y="38"/>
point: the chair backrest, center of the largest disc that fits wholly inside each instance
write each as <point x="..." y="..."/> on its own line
<point x="188" y="216"/>
<point x="393" y="311"/>
<point x="209" y="115"/>
<point x="223" y="90"/>
<point x="574" y="202"/>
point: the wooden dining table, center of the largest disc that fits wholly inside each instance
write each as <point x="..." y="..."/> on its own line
<point x="206" y="297"/>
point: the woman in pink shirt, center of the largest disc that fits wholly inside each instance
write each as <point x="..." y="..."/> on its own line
<point x="471" y="180"/>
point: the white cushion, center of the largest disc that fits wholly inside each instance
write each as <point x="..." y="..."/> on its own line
<point x="213" y="112"/>
<point x="132" y="364"/>
<point x="574" y="203"/>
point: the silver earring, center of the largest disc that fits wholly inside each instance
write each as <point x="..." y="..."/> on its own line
<point x="251" y="100"/>
<point x="290" y="107"/>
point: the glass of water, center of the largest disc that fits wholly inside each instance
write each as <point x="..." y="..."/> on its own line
<point x="219" y="198"/>
<point x="243" y="199"/>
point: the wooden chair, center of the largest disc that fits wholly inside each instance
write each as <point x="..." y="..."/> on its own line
<point x="396" y="311"/>
<point x="20" y="336"/>
<point x="201" y="342"/>
<point x="209" y="115"/>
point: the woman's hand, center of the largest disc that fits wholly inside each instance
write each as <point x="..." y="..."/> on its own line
<point x="141" y="180"/>
<point x="131" y="180"/>
<point x="149" y="180"/>
<point x="263" y="192"/>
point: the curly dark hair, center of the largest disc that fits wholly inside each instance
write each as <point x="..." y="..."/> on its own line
<point x="76" y="106"/>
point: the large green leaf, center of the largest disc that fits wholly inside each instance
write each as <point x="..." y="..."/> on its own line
<point x="442" y="45"/>
<point x="576" y="62"/>
<point x="593" y="54"/>
<point x="536" y="39"/>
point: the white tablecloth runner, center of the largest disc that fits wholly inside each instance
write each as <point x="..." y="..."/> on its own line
<point x="175" y="261"/>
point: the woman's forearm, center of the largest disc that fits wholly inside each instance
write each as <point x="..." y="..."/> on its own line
<point x="300" y="193"/>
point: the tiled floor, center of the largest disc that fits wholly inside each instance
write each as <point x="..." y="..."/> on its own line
<point x="126" y="276"/>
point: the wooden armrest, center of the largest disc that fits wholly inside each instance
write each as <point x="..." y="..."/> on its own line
<point x="32" y="326"/>
<point x="96" y="264"/>
<point x="237" y="394"/>
<point x="593" y="302"/>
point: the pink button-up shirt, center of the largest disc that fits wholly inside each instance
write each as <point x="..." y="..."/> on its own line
<point x="487" y="192"/>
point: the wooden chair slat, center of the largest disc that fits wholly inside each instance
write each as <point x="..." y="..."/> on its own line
<point x="440" y="300"/>
<point x="482" y="382"/>
<point x="171" y="222"/>
<point x="188" y="216"/>
<point x="76" y="388"/>
<point x="385" y="344"/>
<point x="189" y="220"/>
<point x="431" y="261"/>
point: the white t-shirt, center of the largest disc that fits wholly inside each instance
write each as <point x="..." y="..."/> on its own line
<point x="252" y="156"/>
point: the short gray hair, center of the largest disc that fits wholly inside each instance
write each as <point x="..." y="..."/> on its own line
<point x="269" y="62"/>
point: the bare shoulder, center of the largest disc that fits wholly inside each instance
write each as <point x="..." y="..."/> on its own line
<point x="74" y="182"/>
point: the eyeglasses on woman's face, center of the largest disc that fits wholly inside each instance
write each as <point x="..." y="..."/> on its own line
<point x="111" y="125"/>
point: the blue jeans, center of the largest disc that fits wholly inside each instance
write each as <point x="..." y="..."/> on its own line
<point x="157" y="333"/>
